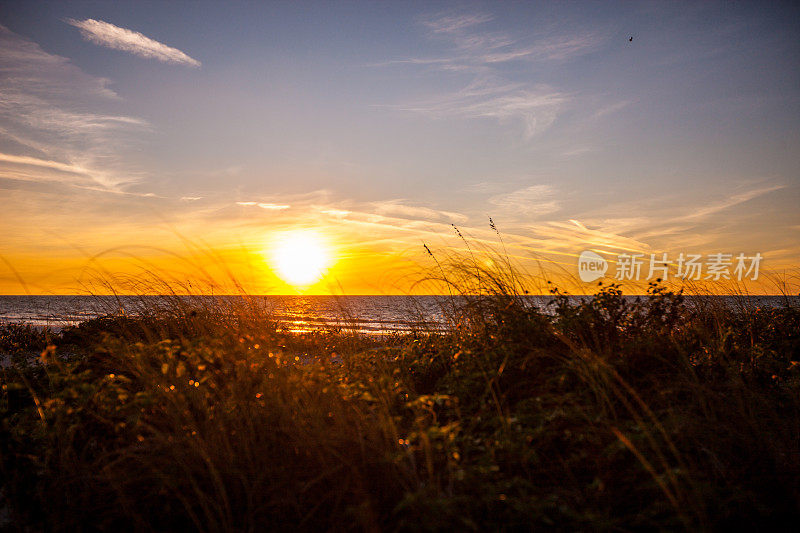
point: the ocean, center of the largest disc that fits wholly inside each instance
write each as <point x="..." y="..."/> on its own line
<point x="298" y="313"/>
<point x="363" y="313"/>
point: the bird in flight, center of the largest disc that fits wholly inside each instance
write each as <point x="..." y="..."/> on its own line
<point x="630" y="40"/>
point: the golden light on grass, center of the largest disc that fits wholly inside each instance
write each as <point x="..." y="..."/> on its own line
<point x="300" y="257"/>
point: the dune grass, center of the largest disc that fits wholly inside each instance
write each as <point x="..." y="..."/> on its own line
<point x="605" y="414"/>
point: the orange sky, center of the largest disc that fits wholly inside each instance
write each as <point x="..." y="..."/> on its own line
<point x="133" y="147"/>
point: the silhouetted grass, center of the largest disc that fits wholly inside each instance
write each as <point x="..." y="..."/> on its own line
<point x="603" y="414"/>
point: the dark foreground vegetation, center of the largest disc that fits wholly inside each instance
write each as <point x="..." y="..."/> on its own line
<point x="607" y="414"/>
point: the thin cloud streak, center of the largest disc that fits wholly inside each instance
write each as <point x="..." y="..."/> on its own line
<point x="20" y="57"/>
<point x="660" y="221"/>
<point x="405" y="225"/>
<point x="610" y="109"/>
<point x="265" y="205"/>
<point x="43" y="112"/>
<point x="536" y="200"/>
<point x="105" y="34"/>
<point x="455" y="23"/>
<point x="540" y="242"/>
<point x="475" y="49"/>
<point x="536" y="108"/>
<point x="488" y="94"/>
<point x="398" y="208"/>
<point x="32" y="169"/>
<point x="731" y="201"/>
<point x="24" y="160"/>
<point x="657" y="222"/>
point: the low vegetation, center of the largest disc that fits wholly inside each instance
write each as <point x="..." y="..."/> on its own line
<point x="606" y="414"/>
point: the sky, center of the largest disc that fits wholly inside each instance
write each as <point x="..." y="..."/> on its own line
<point x="186" y="140"/>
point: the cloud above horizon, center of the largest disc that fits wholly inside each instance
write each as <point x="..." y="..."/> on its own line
<point x="495" y="67"/>
<point x="54" y="121"/>
<point x="536" y="107"/>
<point x="265" y="205"/>
<point x="105" y="34"/>
<point x="475" y="49"/>
<point x="536" y="200"/>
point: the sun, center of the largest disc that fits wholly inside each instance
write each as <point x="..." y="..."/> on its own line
<point x="300" y="257"/>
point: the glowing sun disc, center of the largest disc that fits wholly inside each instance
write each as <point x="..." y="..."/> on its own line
<point x="300" y="257"/>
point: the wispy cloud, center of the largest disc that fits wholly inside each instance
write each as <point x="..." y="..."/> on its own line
<point x="25" y="160"/>
<point x="25" y="67"/>
<point x="451" y="24"/>
<point x="578" y="151"/>
<point x="46" y="125"/>
<point x="536" y="200"/>
<point x="673" y="223"/>
<point x="610" y="108"/>
<point x="660" y="215"/>
<point x="731" y="201"/>
<point x="485" y="187"/>
<point x="265" y="205"/>
<point x="548" y="241"/>
<point x="398" y="227"/>
<point x="568" y="238"/>
<point x="535" y="107"/>
<point x="479" y="54"/>
<point x="324" y="208"/>
<point x="401" y="209"/>
<point x="111" y="36"/>
<point x="25" y="168"/>
<point x="473" y="48"/>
